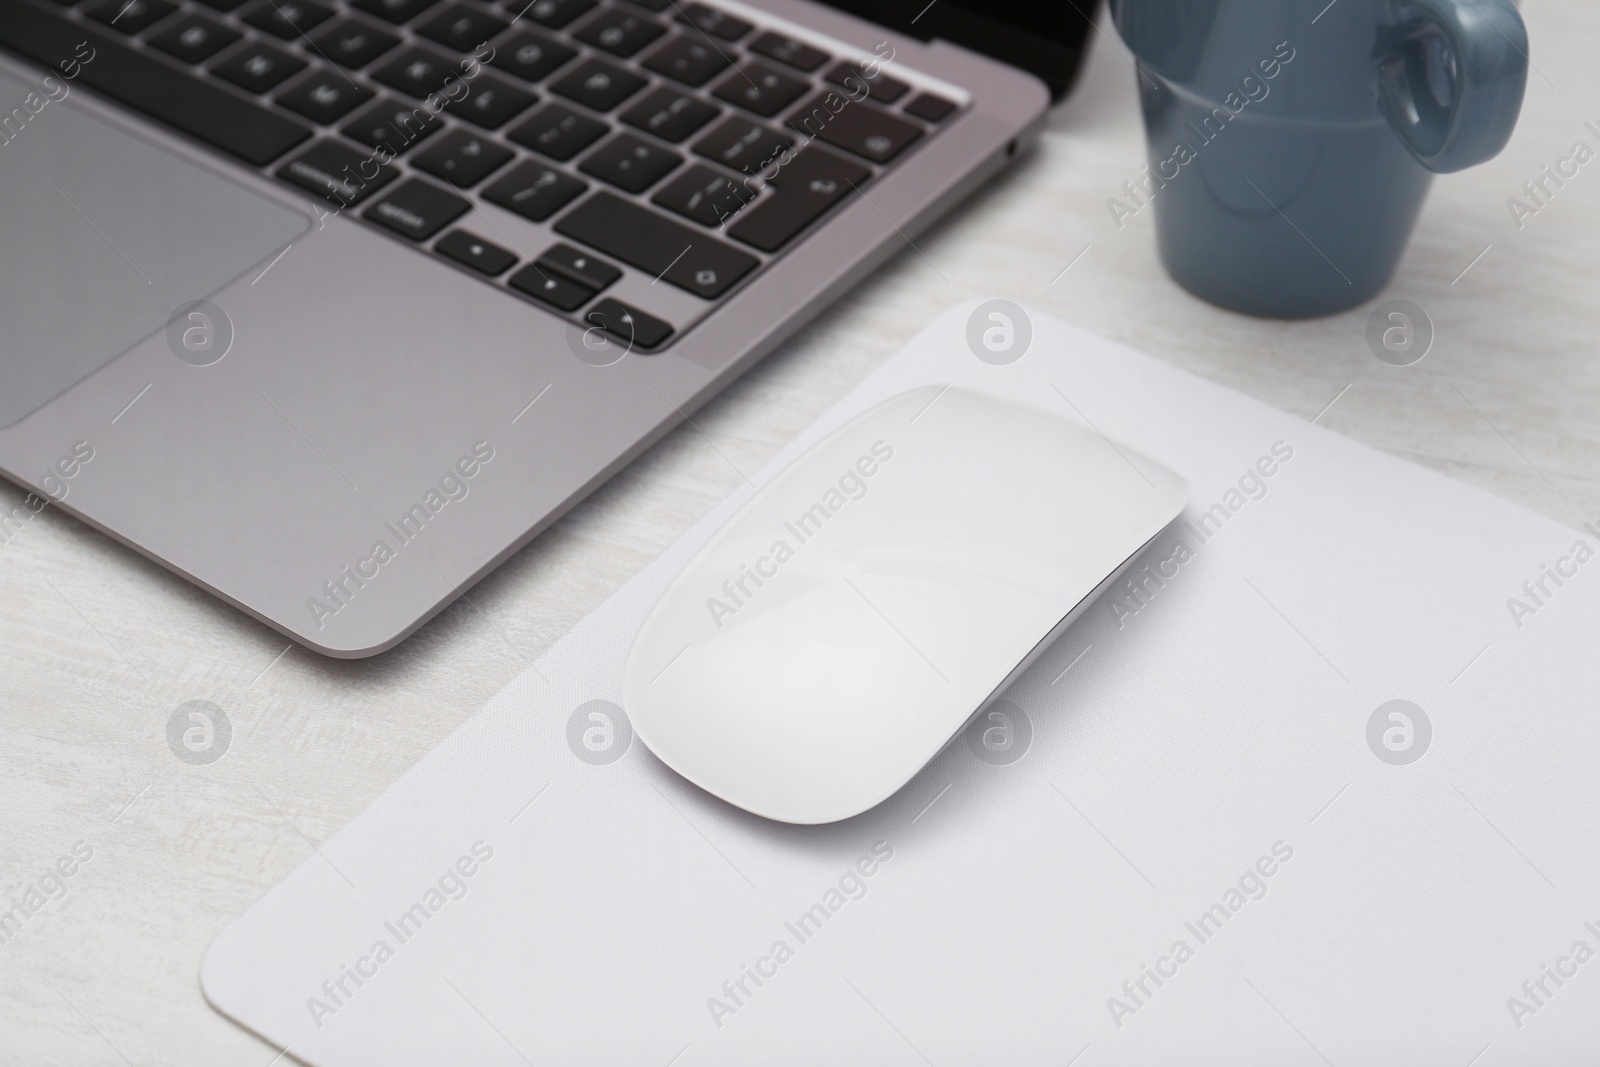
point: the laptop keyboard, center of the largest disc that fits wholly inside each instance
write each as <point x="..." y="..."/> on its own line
<point x="679" y="140"/>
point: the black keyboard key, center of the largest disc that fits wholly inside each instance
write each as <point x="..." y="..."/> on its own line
<point x="930" y="108"/>
<point x="877" y="85"/>
<point x="618" y="31"/>
<point x="257" y="68"/>
<point x="598" y="85"/>
<point x="716" y="23"/>
<point x="531" y="56"/>
<point x="337" y="173"/>
<point x="396" y="11"/>
<point x="788" y="51"/>
<point x="759" y="88"/>
<point x="417" y="209"/>
<point x="194" y="39"/>
<point x="417" y="72"/>
<point x="654" y="243"/>
<point x="704" y="195"/>
<point x="806" y="186"/>
<point x="534" y="191"/>
<point x="475" y="252"/>
<point x="222" y="5"/>
<point x="867" y="131"/>
<point x="558" y="132"/>
<point x="392" y="125"/>
<point x="460" y="28"/>
<point x="198" y="108"/>
<point x="740" y="144"/>
<point x="462" y="158"/>
<point x="324" y="97"/>
<point x="630" y="163"/>
<point x="352" y="43"/>
<point x="287" y="19"/>
<point x="580" y="266"/>
<point x="130" y="16"/>
<point x="552" y="13"/>
<point x="491" y="102"/>
<point x="669" y="114"/>
<point x="553" y="289"/>
<point x="628" y="324"/>
<point x="687" y="60"/>
<point x="653" y="5"/>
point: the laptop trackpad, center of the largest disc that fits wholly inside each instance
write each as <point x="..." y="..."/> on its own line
<point x="102" y="237"/>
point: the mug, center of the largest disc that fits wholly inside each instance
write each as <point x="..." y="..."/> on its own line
<point x="1291" y="144"/>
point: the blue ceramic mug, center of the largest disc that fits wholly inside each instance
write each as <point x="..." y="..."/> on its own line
<point x="1291" y="143"/>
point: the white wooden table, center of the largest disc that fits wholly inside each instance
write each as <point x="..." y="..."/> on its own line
<point x="98" y="646"/>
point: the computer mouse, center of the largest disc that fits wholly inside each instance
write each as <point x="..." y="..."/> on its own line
<point x="867" y="601"/>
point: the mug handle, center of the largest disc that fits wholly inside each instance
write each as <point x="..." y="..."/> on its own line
<point x="1451" y="74"/>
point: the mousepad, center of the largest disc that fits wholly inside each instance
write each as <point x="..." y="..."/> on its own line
<point x="1317" y="784"/>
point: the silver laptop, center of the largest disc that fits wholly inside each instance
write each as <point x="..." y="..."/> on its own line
<point x="331" y="305"/>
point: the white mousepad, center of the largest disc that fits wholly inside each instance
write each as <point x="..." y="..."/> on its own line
<point x="1315" y="791"/>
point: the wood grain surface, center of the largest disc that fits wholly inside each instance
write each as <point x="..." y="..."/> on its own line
<point x="99" y="646"/>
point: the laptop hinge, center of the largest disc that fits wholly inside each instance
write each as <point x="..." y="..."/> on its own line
<point x="1045" y="39"/>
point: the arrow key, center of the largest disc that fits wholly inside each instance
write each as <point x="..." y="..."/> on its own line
<point x="629" y="325"/>
<point x="553" y="289"/>
<point x="581" y="267"/>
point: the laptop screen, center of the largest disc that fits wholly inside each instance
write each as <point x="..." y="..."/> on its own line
<point x="1046" y="39"/>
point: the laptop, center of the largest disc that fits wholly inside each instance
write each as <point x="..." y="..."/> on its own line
<point x="330" y="306"/>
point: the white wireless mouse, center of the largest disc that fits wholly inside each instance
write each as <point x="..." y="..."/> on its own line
<point x="864" y="604"/>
